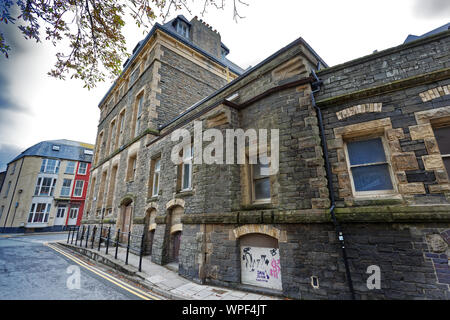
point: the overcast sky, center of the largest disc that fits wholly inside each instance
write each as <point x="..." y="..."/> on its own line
<point x="35" y="107"/>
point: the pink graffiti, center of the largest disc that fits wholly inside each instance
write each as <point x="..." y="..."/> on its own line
<point x="276" y="269"/>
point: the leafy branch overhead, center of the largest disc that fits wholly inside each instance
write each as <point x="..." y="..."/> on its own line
<point x="89" y="33"/>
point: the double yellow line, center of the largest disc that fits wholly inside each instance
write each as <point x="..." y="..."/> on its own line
<point x="137" y="292"/>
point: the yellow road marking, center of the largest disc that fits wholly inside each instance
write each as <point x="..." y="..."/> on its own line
<point x="106" y="276"/>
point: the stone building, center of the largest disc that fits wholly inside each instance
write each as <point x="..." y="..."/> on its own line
<point x="363" y="164"/>
<point x="45" y="187"/>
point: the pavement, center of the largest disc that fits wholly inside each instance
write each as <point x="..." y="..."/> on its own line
<point x="163" y="280"/>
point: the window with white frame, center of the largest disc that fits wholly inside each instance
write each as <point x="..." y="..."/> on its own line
<point x="156" y="175"/>
<point x="50" y="166"/>
<point x="8" y="186"/>
<point x="442" y="135"/>
<point x="82" y="168"/>
<point x="65" y="190"/>
<point x="45" y="187"/>
<point x="73" y="213"/>
<point x="183" y="29"/>
<point x="70" y="168"/>
<point x="78" y="190"/>
<point x="260" y="182"/>
<point x="369" y="168"/>
<point x="186" y="172"/>
<point x="39" y="213"/>
<point x="61" y="211"/>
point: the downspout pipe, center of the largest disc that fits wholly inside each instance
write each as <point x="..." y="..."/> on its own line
<point x="316" y="86"/>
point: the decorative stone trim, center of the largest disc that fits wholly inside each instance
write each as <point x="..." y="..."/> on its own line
<point x="433" y="161"/>
<point x="150" y="206"/>
<point x="176" y="228"/>
<point x="399" y="161"/>
<point x="359" y="109"/>
<point x="435" y="93"/>
<point x="175" y="202"/>
<point x="238" y="232"/>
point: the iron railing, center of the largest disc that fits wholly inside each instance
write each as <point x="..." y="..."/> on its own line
<point x="103" y="235"/>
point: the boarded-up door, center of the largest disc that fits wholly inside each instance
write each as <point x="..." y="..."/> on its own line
<point x="260" y="261"/>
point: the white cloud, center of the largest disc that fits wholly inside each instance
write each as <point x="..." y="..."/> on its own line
<point x="337" y="30"/>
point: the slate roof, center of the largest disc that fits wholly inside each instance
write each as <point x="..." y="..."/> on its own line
<point x="443" y="28"/>
<point x="68" y="150"/>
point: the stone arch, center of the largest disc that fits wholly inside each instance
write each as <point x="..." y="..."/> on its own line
<point x="174" y="203"/>
<point x="260" y="228"/>
<point x="260" y="255"/>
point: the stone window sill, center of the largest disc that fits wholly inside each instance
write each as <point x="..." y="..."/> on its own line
<point x="184" y="193"/>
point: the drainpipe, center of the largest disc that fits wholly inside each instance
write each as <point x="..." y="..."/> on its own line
<point x="316" y="88"/>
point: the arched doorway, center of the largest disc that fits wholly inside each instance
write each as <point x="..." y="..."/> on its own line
<point x="125" y="220"/>
<point x="176" y="229"/>
<point x="260" y="261"/>
<point x="150" y="227"/>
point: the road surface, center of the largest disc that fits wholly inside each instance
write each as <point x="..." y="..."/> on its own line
<point x="33" y="267"/>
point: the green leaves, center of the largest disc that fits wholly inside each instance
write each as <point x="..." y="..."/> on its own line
<point x="87" y="32"/>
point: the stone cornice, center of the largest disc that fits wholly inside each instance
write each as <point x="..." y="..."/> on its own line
<point x="374" y="56"/>
<point x="387" y="88"/>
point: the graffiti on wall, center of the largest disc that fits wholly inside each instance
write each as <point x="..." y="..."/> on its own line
<point x="261" y="267"/>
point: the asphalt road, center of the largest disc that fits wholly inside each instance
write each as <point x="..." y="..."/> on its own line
<point x="32" y="268"/>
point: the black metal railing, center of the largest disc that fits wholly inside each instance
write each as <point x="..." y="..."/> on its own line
<point x="103" y="236"/>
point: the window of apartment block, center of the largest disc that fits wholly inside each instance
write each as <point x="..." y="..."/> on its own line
<point x="131" y="170"/>
<point x="369" y="167"/>
<point x="260" y="182"/>
<point x="82" y="169"/>
<point x="65" y="190"/>
<point x="442" y="135"/>
<point x="78" y="191"/>
<point x="13" y="168"/>
<point x="139" y="108"/>
<point x="1" y="211"/>
<point x="50" y="166"/>
<point x="61" y="211"/>
<point x="186" y="171"/>
<point x="154" y="177"/>
<point x="39" y="213"/>
<point x="70" y="168"/>
<point x="73" y="214"/>
<point x="45" y="187"/>
<point x="7" y="188"/>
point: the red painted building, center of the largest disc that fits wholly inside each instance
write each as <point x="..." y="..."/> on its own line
<point x="78" y="194"/>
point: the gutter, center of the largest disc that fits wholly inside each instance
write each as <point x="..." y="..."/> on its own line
<point x="317" y="85"/>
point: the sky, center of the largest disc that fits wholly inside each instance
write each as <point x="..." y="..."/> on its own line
<point x="35" y="107"/>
